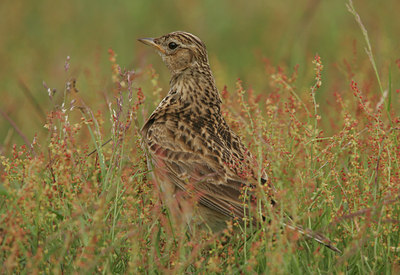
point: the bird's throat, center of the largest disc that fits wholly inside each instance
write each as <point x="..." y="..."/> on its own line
<point x="196" y="87"/>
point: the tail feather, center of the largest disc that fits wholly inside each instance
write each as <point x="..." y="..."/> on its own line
<point x="313" y="235"/>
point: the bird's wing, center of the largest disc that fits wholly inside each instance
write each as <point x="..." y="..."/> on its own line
<point x="197" y="165"/>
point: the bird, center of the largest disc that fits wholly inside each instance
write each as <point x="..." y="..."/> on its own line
<point x="200" y="165"/>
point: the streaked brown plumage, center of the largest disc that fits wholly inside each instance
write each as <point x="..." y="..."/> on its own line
<point x="196" y="156"/>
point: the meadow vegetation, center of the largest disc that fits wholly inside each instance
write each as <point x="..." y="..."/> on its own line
<point x="325" y="124"/>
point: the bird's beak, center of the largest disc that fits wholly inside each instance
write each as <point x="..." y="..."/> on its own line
<point x="150" y="42"/>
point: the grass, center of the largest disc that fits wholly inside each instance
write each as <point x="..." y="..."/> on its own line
<point x="331" y="152"/>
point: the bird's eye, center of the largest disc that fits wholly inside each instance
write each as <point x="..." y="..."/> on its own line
<point x="172" y="45"/>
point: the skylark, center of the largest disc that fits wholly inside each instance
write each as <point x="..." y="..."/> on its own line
<point x="200" y="164"/>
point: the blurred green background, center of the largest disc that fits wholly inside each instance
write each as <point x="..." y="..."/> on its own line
<point x="37" y="36"/>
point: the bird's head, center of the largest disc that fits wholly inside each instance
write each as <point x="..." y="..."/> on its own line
<point x="179" y="51"/>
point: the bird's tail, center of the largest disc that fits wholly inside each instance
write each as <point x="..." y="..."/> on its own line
<point x="311" y="234"/>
